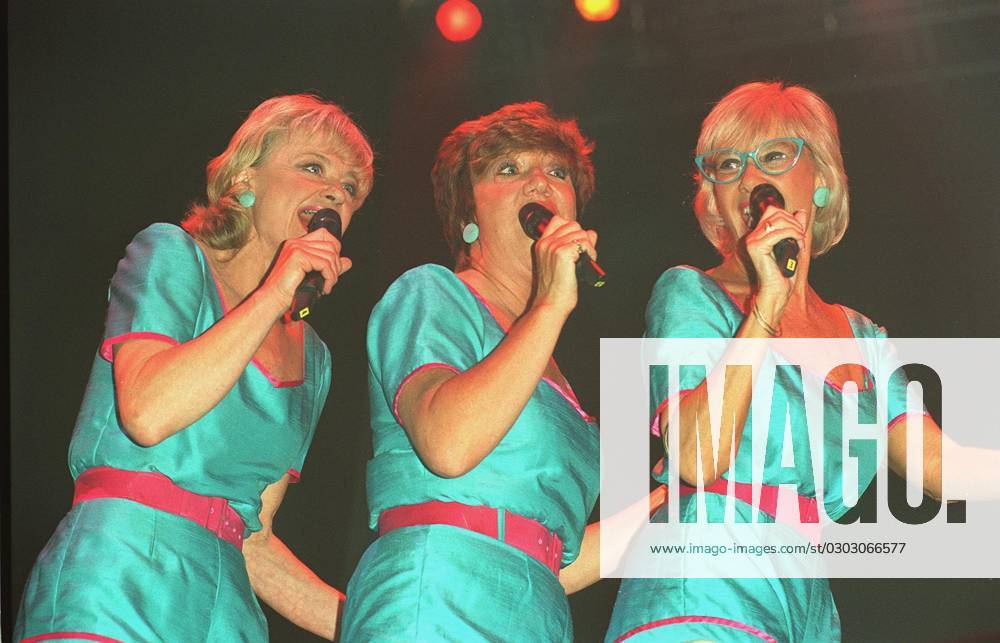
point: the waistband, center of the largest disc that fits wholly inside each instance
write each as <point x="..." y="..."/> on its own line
<point x="517" y="531"/>
<point x="806" y="522"/>
<point x="159" y="492"/>
<point x="808" y="510"/>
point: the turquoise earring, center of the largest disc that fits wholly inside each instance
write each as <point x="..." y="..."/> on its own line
<point x="247" y="199"/>
<point x="821" y="196"/>
<point x="470" y="232"/>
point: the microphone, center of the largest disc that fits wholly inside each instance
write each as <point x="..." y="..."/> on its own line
<point x="312" y="284"/>
<point x="534" y="217"/>
<point x="786" y="251"/>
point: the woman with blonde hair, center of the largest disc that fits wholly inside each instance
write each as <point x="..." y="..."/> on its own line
<point x="202" y="402"/>
<point x="785" y="136"/>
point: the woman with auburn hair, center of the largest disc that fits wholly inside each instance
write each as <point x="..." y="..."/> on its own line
<point x="786" y="136"/>
<point x="202" y="402"/>
<point x="485" y="467"/>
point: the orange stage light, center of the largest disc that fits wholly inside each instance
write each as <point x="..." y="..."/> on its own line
<point x="597" y="10"/>
<point x="458" y="20"/>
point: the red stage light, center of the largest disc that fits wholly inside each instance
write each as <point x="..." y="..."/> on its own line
<point x="597" y="10"/>
<point x="458" y="20"/>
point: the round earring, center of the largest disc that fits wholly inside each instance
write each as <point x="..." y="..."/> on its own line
<point x="247" y="199"/>
<point x="470" y="232"/>
<point x="821" y="196"/>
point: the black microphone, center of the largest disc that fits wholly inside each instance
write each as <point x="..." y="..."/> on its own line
<point x="312" y="285"/>
<point x="786" y="251"/>
<point x="534" y="217"/>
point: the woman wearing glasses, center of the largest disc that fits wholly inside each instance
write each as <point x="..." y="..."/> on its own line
<point x="785" y="136"/>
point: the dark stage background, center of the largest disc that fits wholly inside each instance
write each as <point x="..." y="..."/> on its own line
<point x="116" y="106"/>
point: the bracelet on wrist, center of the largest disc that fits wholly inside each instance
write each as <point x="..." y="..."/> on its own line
<point x="768" y="328"/>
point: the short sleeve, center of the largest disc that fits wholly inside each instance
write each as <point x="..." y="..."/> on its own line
<point x="892" y="367"/>
<point x="685" y="304"/>
<point x="426" y="318"/>
<point x="321" y="374"/>
<point x="157" y="290"/>
<point x="884" y="364"/>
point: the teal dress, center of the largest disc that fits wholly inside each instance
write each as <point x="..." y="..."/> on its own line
<point x="687" y="303"/>
<point x="438" y="582"/>
<point x="122" y="570"/>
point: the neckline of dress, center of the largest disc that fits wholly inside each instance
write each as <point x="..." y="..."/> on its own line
<point x="271" y="378"/>
<point x="869" y="384"/>
<point x="568" y="394"/>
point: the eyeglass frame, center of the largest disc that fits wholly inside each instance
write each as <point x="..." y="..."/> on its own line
<point x="752" y="155"/>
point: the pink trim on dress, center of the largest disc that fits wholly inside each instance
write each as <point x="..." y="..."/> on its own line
<point x="736" y="301"/>
<point x="294" y="475"/>
<point x="869" y="383"/>
<point x="712" y="620"/>
<point x="55" y="636"/>
<point x="108" y="353"/>
<point x="899" y="418"/>
<point x="654" y="425"/>
<point x="486" y="304"/>
<point x="419" y="369"/>
<point x="275" y="382"/>
<point x="570" y="396"/>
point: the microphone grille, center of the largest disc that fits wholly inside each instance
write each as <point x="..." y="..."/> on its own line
<point x="534" y="217"/>
<point x="329" y="219"/>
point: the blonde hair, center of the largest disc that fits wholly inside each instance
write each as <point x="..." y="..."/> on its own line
<point x="222" y="222"/>
<point x="759" y="109"/>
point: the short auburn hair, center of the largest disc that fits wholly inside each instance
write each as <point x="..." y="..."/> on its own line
<point x="471" y="147"/>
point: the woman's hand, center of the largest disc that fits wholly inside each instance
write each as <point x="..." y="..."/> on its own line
<point x="773" y="288"/>
<point x="556" y="252"/>
<point x="317" y="251"/>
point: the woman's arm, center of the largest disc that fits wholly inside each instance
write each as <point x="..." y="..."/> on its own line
<point x="162" y="388"/>
<point x="282" y="581"/>
<point x="764" y="315"/>
<point x="695" y="433"/>
<point x="974" y="474"/>
<point x="454" y="419"/>
<point x="586" y="569"/>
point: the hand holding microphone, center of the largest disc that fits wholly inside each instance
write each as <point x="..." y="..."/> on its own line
<point x="534" y="218"/>
<point x="786" y="251"/>
<point x="312" y="285"/>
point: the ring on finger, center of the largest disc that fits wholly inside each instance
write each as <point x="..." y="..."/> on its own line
<point x="768" y="227"/>
<point x="579" y="248"/>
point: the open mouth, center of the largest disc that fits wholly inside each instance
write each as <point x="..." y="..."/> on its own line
<point x="306" y="216"/>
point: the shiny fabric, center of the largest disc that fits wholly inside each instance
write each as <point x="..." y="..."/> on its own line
<point x="125" y="571"/>
<point x="444" y="583"/>
<point x="164" y="288"/>
<point x="256" y="433"/>
<point x="688" y="303"/>
<point x="545" y="469"/>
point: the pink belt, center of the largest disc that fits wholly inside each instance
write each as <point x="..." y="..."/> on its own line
<point x="159" y="492"/>
<point x="808" y="510"/>
<point x="517" y="531"/>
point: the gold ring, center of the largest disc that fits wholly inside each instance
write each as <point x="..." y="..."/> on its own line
<point x="579" y="248"/>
